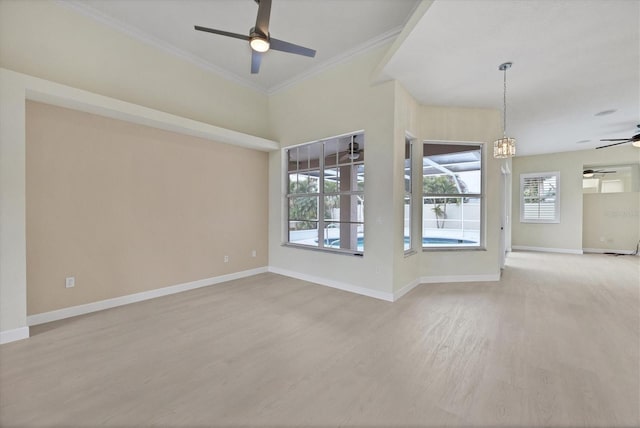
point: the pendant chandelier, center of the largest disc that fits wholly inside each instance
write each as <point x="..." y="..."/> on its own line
<point x="504" y="147"/>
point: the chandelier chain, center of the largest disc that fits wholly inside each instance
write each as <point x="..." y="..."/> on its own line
<point x="504" y="105"/>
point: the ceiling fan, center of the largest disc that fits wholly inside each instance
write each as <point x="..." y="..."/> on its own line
<point x="635" y="141"/>
<point x="260" y="39"/>
<point x="589" y="173"/>
<point x="353" y="151"/>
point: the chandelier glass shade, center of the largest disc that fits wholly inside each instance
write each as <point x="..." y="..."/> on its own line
<point x="504" y="147"/>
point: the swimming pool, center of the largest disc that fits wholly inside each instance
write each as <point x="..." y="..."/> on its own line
<point x="427" y="240"/>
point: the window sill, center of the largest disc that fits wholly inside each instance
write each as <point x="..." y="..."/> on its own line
<point x="325" y="250"/>
<point x="432" y="249"/>
<point x="410" y="253"/>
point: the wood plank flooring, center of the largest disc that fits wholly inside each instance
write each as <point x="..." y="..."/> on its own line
<point x="555" y="343"/>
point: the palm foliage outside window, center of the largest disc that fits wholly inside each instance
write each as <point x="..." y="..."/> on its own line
<point x="325" y="194"/>
<point x="453" y="195"/>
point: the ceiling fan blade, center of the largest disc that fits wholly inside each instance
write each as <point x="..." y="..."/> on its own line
<point x="614" y="144"/>
<point x="222" y="33"/>
<point x="256" y="59"/>
<point x="264" y="12"/>
<point x="281" y="45"/>
<point x="616" y="139"/>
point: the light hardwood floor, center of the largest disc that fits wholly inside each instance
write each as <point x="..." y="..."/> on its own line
<point x="554" y="343"/>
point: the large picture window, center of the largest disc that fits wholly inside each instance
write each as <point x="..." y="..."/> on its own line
<point x="325" y="194"/>
<point x="453" y="196"/>
<point x="540" y="197"/>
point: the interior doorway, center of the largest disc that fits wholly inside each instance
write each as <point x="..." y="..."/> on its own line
<point x="505" y="214"/>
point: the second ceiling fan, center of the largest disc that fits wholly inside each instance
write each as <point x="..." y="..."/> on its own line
<point x="634" y="140"/>
<point x="259" y="38"/>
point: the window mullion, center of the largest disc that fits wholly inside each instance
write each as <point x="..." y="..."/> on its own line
<point x="321" y="228"/>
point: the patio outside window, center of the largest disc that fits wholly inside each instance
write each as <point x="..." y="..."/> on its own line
<point x="325" y="194"/>
<point x="453" y="196"/>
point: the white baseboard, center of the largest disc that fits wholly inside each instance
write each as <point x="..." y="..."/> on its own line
<point x="137" y="297"/>
<point x="607" y="250"/>
<point x="404" y="290"/>
<point x="460" y="278"/>
<point x="382" y="295"/>
<point x="13" y="335"/>
<point x="546" y="250"/>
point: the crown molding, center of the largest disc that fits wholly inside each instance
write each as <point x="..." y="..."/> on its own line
<point x="84" y="9"/>
<point x="338" y="59"/>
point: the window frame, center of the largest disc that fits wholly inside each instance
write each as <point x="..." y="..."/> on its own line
<point x="541" y="175"/>
<point x="408" y="194"/>
<point x="482" y="197"/>
<point x="321" y="194"/>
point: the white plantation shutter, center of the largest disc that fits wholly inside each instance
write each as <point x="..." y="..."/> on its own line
<point x="540" y="197"/>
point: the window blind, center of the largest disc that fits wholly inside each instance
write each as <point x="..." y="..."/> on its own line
<point x="540" y="196"/>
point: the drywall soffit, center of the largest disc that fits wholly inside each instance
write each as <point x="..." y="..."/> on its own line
<point x="48" y="92"/>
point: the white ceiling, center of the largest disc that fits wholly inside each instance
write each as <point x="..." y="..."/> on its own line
<point x="572" y="58"/>
<point x="334" y="28"/>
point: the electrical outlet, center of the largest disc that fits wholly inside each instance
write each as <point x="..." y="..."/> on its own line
<point x="226" y="259"/>
<point x="253" y="253"/>
<point x="70" y="282"/>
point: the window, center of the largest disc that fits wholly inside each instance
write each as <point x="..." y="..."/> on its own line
<point x="408" y="188"/>
<point x="325" y="194"/>
<point x="540" y="197"/>
<point x="453" y="196"/>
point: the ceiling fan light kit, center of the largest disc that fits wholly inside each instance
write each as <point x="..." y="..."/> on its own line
<point x="259" y="44"/>
<point x="504" y="147"/>
<point x="260" y="40"/>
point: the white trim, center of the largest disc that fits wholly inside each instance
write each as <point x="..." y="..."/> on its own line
<point x="546" y="250"/>
<point x="45" y="91"/>
<point x="13" y="335"/>
<point x="338" y="59"/>
<point x="137" y="297"/>
<point x="382" y="295"/>
<point x="608" y="250"/>
<point x="490" y="277"/>
<point x="83" y="8"/>
<point x="404" y="290"/>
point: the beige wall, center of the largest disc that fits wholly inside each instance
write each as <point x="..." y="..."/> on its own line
<point x="477" y="125"/>
<point x="44" y="39"/>
<point x="338" y="101"/>
<point x="13" y="265"/>
<point x="126" y="208"/>
<point x="406" y="121"/>
<point x="341" y="100"/>
<point x="611" y="221"/>
<point x="567" y="235"/>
